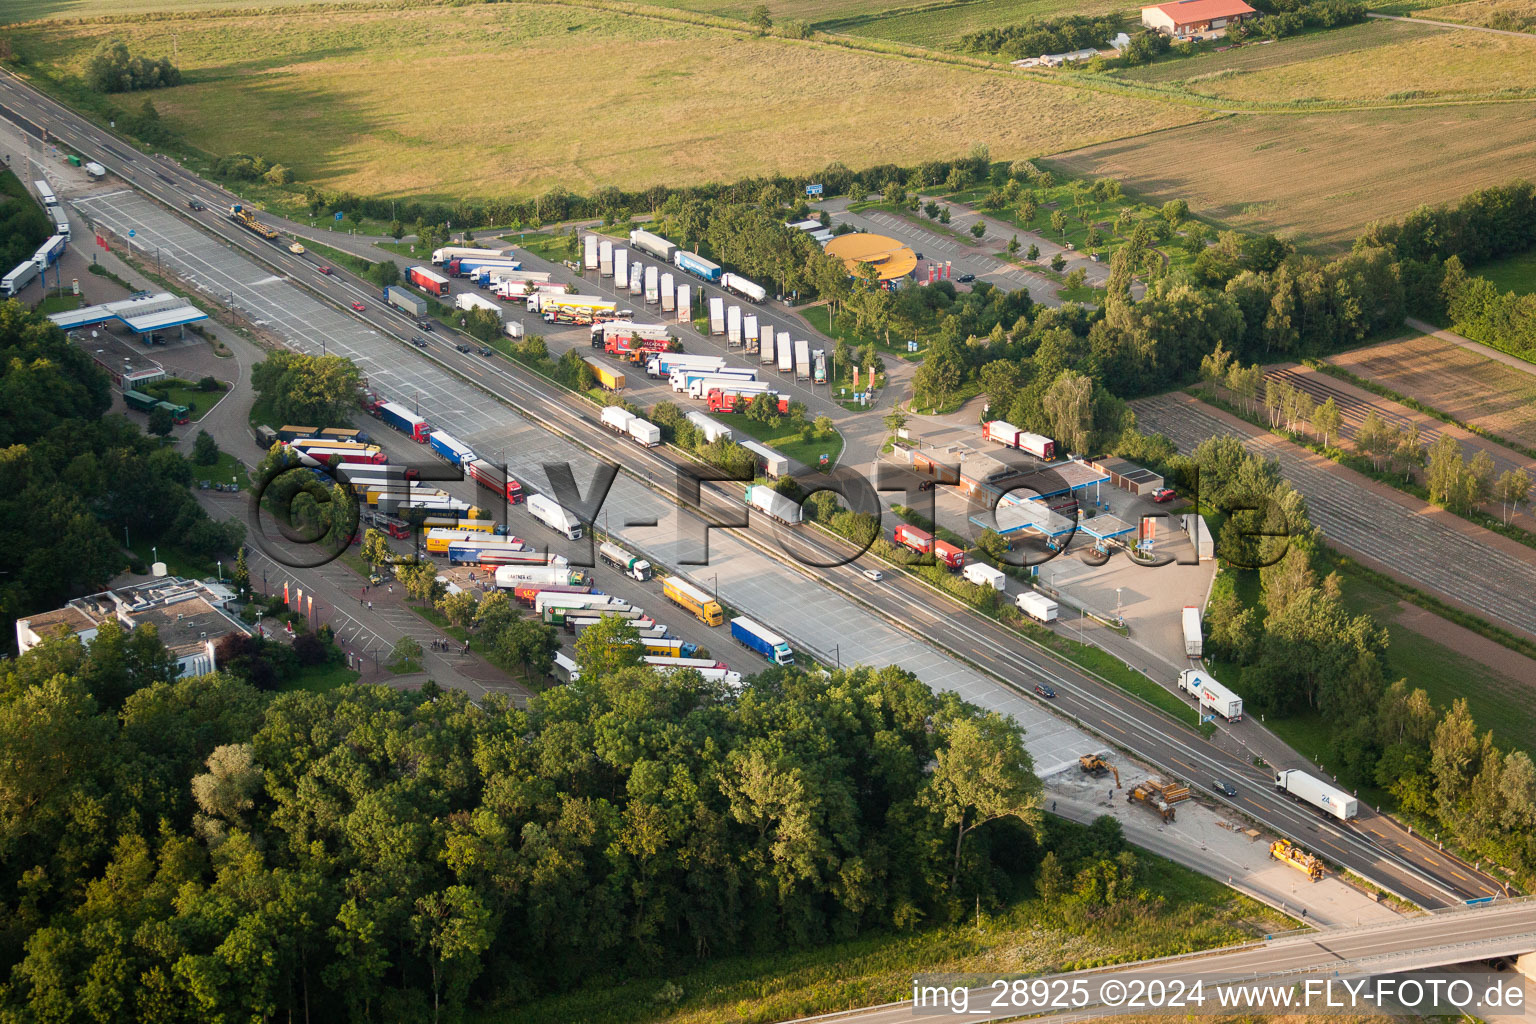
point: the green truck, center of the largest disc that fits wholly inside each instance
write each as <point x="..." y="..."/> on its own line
<point x="138" y="401"/>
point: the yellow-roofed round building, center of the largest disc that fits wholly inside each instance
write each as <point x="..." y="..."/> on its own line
<point x="890" y="258"/>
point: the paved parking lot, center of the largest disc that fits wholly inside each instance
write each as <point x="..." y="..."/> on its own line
<point x="1403" y="536"/>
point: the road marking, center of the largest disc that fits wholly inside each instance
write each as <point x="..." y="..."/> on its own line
<point x="1115" y="727"/>
<point x="1459" y="875"/>
<point x="1431" y="860"/>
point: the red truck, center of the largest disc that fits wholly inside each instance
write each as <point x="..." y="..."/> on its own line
<point x="527" y="593"/>
<point x="1004" y="433"/>
<point x="488" y="474"/>
<point x="924" y="543"/>
<point x="726" y="400"/>
<point x="634" y="349"/>
<point x="427" y="280"/>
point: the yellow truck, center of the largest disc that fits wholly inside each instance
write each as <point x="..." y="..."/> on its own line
<point x="455" y="523"/>
<point x="607" y="377"/>
<point x="246" y="219"/>
<point x="439" y="539"/>
<point x="693" y="600"/>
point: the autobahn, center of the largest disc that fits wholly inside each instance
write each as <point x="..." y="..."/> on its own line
<point x="1435" y="940"/>
<point x="1375" y="847"/>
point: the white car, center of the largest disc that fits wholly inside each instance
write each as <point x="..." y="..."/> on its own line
<point x="873" y="575"/>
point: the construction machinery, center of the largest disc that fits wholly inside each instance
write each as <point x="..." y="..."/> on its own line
<point x="1095" y="765"/>
<point x="1158" y="795"/>
<point x="246" y="219"/>
<point x="1282" y="850"/>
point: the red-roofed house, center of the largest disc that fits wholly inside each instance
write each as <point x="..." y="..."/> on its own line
<point x="1195" y="17"/>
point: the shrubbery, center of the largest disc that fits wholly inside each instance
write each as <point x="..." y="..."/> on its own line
<point x="112" y="69"/>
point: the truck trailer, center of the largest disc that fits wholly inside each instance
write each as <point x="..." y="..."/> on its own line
<point x="628" y="564"/>
<point x="765" y="344"/>
<point x="465" y="301"/>
<point x="713" y="430"/>
<point x="16" y="280"/>
<point x="1037" y="606"/>
<point x="509" y="576"/>
<point x="450" y="447"/>
<point x="1328" y="799"/>
<point x="608" y="379"/>
<point x="736" y="397"/>
<point x="489" y="475"/>
<point x="663" y="363"/>
<point x="404" y="301"/>
<point x="657" y="246"/>
<point x="769" y="462"/>
<point x="1004" y="433"/>
<point x="652" y="285"/>
<point x="696" y="265"/>
<point x="427" y="280"/>
<point x="741" y="286"/>
<point x="733" y="327"/>
<point x="547" y="511"/>
<point x="403" y="420"/>
<point x="625" y="423"/>
<point x="1211" y="695"/>
<point x="754" y="636"/>
<point x="452" y="252"/>
<point x="923" y="542"/>
<point x="774" y="505"/>
<point x="668" y="294"/>
<point x="589" y="252"/>
<point x="984" y="575"/>
<point x="574" y="309"/>
<point x="802" y="359"/>
<point x="692" y="600"/>
<point x="716" y="315"/>
<point x="1194" y="641"/>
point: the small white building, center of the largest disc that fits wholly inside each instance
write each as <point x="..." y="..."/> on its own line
<point x="1184" y="18"/>
<point x="189" y="616"/>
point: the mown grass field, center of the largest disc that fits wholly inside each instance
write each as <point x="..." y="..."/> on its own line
<point x="942" y="24"/>
<point x="1469" y="387"/>
<point x="1356" y="40"/>
<point x="1512" y="15"/>
<point x="332" y="95"/>
<point x="1320" y="178"/>
<point x="1515" y="274"/>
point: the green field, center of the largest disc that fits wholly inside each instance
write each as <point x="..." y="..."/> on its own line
<point x="324" y="92"/>
<point x="320" y="678"/>
<point x="942" y="24"/>
<point x="787" y="441"/>
<point x="1355" y="40"/>
<point x="1515" y="274"/>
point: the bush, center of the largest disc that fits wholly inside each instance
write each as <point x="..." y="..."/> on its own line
<point x="209" y="384"/>
<point x="112" y="69"/>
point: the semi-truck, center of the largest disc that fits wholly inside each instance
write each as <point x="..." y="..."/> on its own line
<point x="684" y="303"/>
<point x="1194" y="640"/>
<point x="471" y="268"/>
<point x="547" y="511"/>
<point x="736" y="397"/>
<point x="657" y="246"/>
<point x="492" y="476"/>
<point x="575" y="309"/>
<point x="16" y="280"/>
<point x="527" y="593"/>
<point x="749" y="331"/>
<point x="784" y="350"/>
<point x="605" y="257"/>
<point x="625" y="423"/>
<point x="450" y="447"/>
<point x="439" y="538"/>
<point x="696" y="265"/>
<point x="741" y="384"/>
<point x="710" y="675"/>
<point x="622" y="268"/>
<point x="49" y="252"/>
<point x="480" y="549"/>
<point x="774" y="505"/>
<point x="628" y="329"/>
<point x="636" y="279"/>
<point x="741" y="286"/>
<point x="607" y="378"/>
<point x="403" y="420"/>
<point x="589" y="252"/>
<point x="509" y="576"/>
<point x="1037" y="606"/>
<point x="684" y="378"/>
<point x="331" y="452"/>
<point x="733" y="327"/>
<point x="1211" y="695"/>
<point x="598" y="603"/>
<point x="925" y="543"/>
<point x="453" y="252"/>
<point x="819" y="366"/>
<point x="984" y="575"/>
<point x="45" y="194"/>
<point x="501" y="277"/>
<point x="630" y="565"/>
<point x="663" y="363"/>
<point x="716" y="315"/>
<point x="802" y="359"/>
<point x="1010" y="436"/>
<point x="427" y="280"/>
<point x="769" y="462"/>
<point x="765" y="344"/>
<point x="692" y="600"/>
<point x="754" y="636"/>
<point x="668" y="293"/>
<point x="652" y="285"/>
<point x="246" y="219"/>
<point x="1326" y="798"/>
<point x="465" y="301"/>
<point x="713" y="430"/>
<point x="404" y="301"/>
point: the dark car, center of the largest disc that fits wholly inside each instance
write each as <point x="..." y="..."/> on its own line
<point x="423" y="325"/>
<point x="466" y="349"/>
<point x="919" y="255"/>
<point x="966" y="278"/>
<point x="485" y="352"/>
<point x="195" y="204"/>
<point x="419" y="341"/>
<point x="1223" y="787"/>
<point x="1045" y="691"/>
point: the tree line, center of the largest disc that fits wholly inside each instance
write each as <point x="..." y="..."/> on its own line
<point x="23" y="224"/>
<point x="192" y="849"/>
<point x="1036" y="36"/>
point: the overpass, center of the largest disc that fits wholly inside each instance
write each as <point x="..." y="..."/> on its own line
<point x="1504" y="928"/>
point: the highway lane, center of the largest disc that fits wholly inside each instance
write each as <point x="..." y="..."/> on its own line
<point x="1431" y="941"/>
<point x="1415" y="870"/>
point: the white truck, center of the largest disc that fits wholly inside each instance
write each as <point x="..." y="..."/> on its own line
<point x="605" y="257"/>
<point x="16" y="280"/>
<point x="623" y="422"/>
<point x="713" y="430"/>
<point x="1037" y="606"/>
<point x="733" y="326"/>
<point x="510" y="576"/>
<point x="769" y="462"/>
<point x="456" y="252"/>
<point x="589" y="252"/>
<point x="716" y="315"/>
<point x="741" y="286"/>
<point x="773" y="504"/>
<point x="1194" y="640"/>
<point x="984" y="575"/>
<point x="1211" y="695"/>
<point x="628" y="564"/>
<point x="621" y="269"/>
<point x="765" y="345"/>
<point x="654" y="244"/>
<point x="547" y="511"/>
<point x="802" y="359"/>
<point x="469" y="300"/>
<point x="786" y="352"/>
<point x="668" y="294"/>
<point x="684" y="303"/>
<point x="1328" y="799"/>
<point x="652" y="285"/>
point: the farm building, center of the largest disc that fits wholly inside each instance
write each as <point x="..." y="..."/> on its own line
<point x="1195" y="17"/>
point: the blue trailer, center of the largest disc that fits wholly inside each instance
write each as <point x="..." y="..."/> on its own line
<point x="754" y="636"/>
<point x="472" y="267"/>
<point x="450" y="447"/>
<point x="697" y="265"/>
<point x="49" y="252"/>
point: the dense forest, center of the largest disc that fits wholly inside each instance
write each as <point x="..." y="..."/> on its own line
<point x="23" y="224"/>
<point x="197" y="850"/>
<point x="75" y="483"/>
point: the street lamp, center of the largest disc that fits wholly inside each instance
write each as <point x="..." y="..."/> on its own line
<point x="221" y="572"/>
<point x="1117" y="601"/>
<point x="715" y="577"/>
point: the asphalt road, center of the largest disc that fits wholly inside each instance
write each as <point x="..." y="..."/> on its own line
<point x="833" y="619"/>
<point x="1419" y="547"/>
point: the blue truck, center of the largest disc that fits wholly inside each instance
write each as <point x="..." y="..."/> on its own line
<point x="472" y="267"/>
<point x="450" y="447"/>
<point x="756" y="637"/>
<point x="697" y="265"/>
